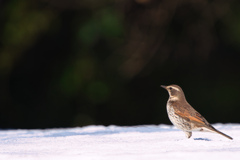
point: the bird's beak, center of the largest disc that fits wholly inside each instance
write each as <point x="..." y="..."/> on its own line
<point x="165" y="87"/>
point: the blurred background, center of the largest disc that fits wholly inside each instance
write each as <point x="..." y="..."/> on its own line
<point x="85" y="62"/>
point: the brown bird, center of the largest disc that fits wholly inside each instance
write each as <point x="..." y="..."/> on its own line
<point x="184" y="116"/>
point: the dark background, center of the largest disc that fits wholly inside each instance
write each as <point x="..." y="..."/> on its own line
<point x="76" y="63"/>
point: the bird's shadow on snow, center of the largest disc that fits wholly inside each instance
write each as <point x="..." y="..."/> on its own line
<point x="202" y="139"/>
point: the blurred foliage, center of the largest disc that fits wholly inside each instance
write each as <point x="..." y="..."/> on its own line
<point x="75" y="63"/>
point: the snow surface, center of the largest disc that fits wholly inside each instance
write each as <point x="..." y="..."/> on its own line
<point x="119" y="143"/>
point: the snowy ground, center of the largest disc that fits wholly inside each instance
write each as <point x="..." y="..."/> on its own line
<point x="119" y="143"/>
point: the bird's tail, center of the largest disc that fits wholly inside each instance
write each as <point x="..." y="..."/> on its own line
<point x="212" y="129"/>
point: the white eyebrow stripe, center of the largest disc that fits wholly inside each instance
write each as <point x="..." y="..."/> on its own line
<point x="176" y="88"/>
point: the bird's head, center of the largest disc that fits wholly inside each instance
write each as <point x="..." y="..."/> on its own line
<point x="175" y="92"/>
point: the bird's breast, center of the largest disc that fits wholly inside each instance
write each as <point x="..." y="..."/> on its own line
<point x="177" y="120"/>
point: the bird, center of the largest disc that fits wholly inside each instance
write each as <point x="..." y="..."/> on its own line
<point x="184" y="116"/>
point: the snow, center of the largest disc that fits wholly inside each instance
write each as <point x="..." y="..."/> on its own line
<point x="119" y="143"/>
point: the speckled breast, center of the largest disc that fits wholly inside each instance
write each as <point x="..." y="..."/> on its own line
<point x="176" y="120"/>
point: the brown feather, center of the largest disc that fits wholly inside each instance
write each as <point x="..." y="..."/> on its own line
<point x="187" y="112"/>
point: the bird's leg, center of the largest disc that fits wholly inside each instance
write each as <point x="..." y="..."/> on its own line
<point x="188" y="134"/>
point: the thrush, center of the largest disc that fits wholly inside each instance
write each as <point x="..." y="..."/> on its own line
<point x="184" y="116"/>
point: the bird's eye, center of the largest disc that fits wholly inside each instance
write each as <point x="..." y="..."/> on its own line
<point x="170" y="88"/>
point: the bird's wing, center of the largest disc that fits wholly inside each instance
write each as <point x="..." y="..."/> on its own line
<point x="190" y="114"/>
